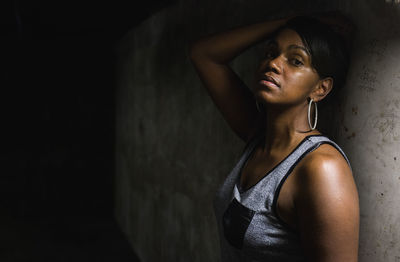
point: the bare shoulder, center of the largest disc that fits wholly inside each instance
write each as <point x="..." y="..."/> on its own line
<point x="327" y="206"/>
<point x="326" y="160"/>
<point x="325" y="172"/>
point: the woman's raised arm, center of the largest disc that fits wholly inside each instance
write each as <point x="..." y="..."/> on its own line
<point x="211" y="55"/>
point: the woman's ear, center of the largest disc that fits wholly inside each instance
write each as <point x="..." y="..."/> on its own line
<point x="323" y="88"/>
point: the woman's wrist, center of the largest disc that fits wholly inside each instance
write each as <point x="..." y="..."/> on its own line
<point x="222" y="47"/>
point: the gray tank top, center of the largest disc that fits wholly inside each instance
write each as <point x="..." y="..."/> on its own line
<point x="248" y="225"/>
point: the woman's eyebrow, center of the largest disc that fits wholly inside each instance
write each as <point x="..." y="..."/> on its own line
<point x="293" y="46"/>
<point x="299" y="47"/>
<point x="271" y="42"/>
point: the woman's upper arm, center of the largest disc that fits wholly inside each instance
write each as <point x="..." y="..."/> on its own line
<point x="229" y="93"/>
<point x="327" y="208"/>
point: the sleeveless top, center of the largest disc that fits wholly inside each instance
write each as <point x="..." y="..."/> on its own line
<point x="248" y="225"/>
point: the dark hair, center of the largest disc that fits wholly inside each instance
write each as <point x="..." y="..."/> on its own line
<point x="330" y="54"/>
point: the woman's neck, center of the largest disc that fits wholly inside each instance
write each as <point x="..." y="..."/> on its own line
<point x="285" y="128"/>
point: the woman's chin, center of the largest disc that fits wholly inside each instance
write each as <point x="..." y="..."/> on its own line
<point x="265" y="95"/>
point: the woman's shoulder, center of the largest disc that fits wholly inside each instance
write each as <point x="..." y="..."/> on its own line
<point x="325" y="167"/>
<point x="326" y="200"/>
<point x="325" y="157"/>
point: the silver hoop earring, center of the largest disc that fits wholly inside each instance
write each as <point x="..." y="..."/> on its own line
<point x="258" y="106"/>
<point x="309" y="114"/>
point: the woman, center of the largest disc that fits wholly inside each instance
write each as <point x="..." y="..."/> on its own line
<point x="291" y="196"/>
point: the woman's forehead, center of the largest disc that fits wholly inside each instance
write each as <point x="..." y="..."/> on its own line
<point x="288" y="39"/>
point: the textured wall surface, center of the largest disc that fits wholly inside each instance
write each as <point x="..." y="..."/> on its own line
<point x="174" y="148"/>
<point x="370" y="130"/>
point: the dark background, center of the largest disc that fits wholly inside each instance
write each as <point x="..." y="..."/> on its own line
<point x="57" y="101"/>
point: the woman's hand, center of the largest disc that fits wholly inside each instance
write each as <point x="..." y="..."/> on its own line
<point x="339" y="23"/>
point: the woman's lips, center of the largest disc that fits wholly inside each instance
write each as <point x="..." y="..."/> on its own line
<point x="267" y="83"/>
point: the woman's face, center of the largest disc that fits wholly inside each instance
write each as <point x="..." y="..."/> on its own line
<point x="287" y="61"/>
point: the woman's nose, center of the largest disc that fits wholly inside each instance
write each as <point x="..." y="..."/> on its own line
<point x="274" y="64"/>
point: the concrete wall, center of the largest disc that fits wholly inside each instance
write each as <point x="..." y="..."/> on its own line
<point x="174" y="148"/>
<point x="370" y="131"/>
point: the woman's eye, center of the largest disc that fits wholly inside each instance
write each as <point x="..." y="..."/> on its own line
<point x="297" y="62"/>
<point x="268" y="55"/>
<point x="271" y="52"/>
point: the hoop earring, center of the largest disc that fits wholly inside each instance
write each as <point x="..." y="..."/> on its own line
<point x="258" y="106"/>
<point x="309" y="114"/>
